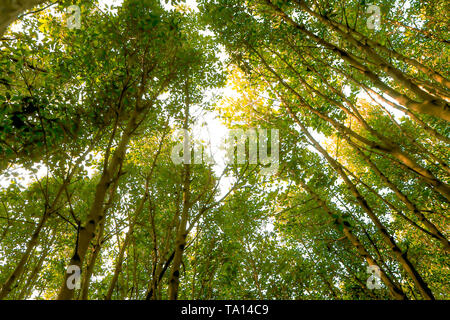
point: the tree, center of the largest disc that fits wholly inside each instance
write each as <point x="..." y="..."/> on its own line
<point x="88" y="137"/>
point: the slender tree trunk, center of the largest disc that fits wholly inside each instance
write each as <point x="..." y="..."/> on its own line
<point x="180" y="242"/>
<point x="393" y="208"/>
<point x="11" y="9"/>
<point x="397" y="252"/>
<point x="361" y="283"/>
<point x="411" y="206"/>
<point x="390" y="149"/>
<point x="394" y="290"/>
<point x="160" y="268"/>
<point x="432" y="132"/>
<point x="7" y="286"/>
<point x="98" y="244"/>
<point x="429" y="106"/>
<point x="87" y="231"/>
<point x="33" y="275"/>
<point x="389" y="145"/>
<point x="91" y="264"/>
<point x="368" y="45"/>
<point x="34" y="240"/>
<point x="126" y="242"/>
<point x="159" y="274"/>
<point x="321" y="274"/>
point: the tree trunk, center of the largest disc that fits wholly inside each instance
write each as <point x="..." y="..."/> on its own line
<point x="87" y="231"/>
<point x="119" y="262"/>
<point x="398" y="254"/>
<point x="394" y="290"/>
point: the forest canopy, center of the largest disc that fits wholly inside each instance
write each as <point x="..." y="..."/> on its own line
<point x="331" y="180"/>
